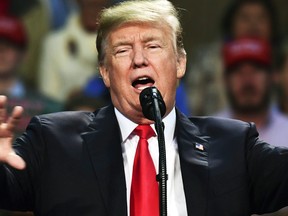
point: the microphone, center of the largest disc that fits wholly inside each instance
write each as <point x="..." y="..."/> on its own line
<point x="152" y="103"/>
<point x="154" y="108"/>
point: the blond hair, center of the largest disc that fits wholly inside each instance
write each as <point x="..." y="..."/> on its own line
<point x="141" y="11"/>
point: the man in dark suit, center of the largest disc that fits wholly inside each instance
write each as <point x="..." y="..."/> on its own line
<point x="81" y="163"/>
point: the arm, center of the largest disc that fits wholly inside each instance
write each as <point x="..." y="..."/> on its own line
<point x="268" y="171"/>
<point x="16" y="176"/>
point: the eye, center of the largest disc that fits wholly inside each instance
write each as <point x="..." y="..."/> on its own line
<point x="122" y="51"/>
<point x="153" y="46"/>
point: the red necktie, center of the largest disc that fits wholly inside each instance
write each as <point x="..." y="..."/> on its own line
<point x="144" y="198"/>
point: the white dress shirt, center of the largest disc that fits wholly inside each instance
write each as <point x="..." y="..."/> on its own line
<point x="175" y="192"/>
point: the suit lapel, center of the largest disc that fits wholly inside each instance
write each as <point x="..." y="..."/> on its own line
<point x="104" y="146"/>
<point x="193" y="152"/>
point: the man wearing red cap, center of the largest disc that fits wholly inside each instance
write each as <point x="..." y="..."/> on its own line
<point x="13" y="46"/>
<point x="248" y="80"/>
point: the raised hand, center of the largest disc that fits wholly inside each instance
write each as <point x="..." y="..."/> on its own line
<point x="7" y="154"/>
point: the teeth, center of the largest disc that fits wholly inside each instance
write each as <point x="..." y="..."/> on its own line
<point x="142" y="82"/>
<point x="143" y="78"/>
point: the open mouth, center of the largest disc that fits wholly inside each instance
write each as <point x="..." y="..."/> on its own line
<point x="143" y="82"/>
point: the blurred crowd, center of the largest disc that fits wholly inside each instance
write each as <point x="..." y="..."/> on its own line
<point x="244" y="75"/>
<point x="48" y="63"/>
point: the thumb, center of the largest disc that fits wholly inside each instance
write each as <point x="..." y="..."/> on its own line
<point x="15" y="161"/>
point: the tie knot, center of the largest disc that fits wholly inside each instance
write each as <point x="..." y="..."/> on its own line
<point x="144" y="131"/>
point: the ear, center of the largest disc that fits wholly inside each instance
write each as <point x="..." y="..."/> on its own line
<point x="105" y="75"/>
<point x="181" y="65"/>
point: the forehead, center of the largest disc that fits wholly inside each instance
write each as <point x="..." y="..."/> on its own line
<point x="249" y="65"/>
<point x="141" y="31"/>
<point x="253" y="8"/>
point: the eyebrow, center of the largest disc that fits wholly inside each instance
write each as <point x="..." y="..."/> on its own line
<point x="121" y="43"/>
<point x="151" y="38"/>
<point x="127" y="41"/>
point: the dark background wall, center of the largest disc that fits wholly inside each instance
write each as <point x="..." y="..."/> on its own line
<point x="201" y="19"/>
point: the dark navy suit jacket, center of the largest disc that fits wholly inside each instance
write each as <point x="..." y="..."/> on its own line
<point x="75" y="167"/>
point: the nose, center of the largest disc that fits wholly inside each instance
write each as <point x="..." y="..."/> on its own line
<point x="139" y="58"/>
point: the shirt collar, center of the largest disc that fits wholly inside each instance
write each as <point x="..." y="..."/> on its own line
<point x="127" y="126"/>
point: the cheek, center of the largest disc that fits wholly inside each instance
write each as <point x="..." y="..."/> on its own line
<point x="118" y="74"/>
<point x="233" y="82"/>
<point x="240" y="28"/>
<point x="234" y="88"/>
<point x="9" y="60"/>
<point x="264" y="30"/>
<point x="263" y="82"/>
<point x="120" y="86"/>
<point x="234" y="85"/>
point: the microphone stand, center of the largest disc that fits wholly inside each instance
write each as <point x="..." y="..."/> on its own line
<point x="162" y="176"/>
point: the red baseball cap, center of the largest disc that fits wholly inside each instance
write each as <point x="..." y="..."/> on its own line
<point x="4" y="6"/>
<point x="247" y="49"/>
<point x="12" y="30"/>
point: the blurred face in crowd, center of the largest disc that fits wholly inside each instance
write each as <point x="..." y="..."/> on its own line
<point x="90" y="10"/>
<point x="10" y="58"/>
<point x="139" y="56"/>
<point x="252" y="19"/>
<point x="248" y="87"/>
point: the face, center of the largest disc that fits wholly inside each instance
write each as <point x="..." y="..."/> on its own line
<point x="252" y="20"/>
<point x="139" y="56"/>
<point x="10" y="58"/>
<point x="248" y="88"/>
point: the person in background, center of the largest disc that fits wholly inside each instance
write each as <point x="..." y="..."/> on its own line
<point x="13" y="50"/>
<point x="94" y="163"/>
<point x="69" y="56"/>
<point x="13" y="46"/>
<point x="248" y="78"/>
<point x="35" y="17"/>
<point x="59" y="12"/>
<point x="249" y="18"/>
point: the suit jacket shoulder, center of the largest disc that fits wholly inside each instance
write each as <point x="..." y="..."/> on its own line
<point x="234" y="168"/>
<point x="74" y="166"/>
<point x="216" y="125"/>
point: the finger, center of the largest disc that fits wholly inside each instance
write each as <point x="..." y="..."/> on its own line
<point x="15" y="161"/>
<point x="3" y="101"/>
<point x="14" y="118"/>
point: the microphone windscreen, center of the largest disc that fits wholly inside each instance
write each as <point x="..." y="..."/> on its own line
<point x="147" y="97"/>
